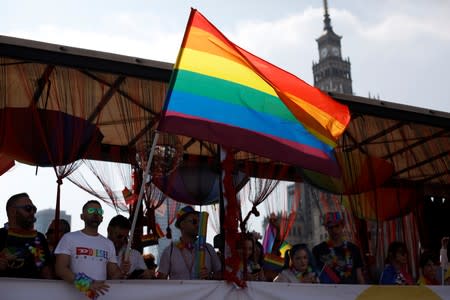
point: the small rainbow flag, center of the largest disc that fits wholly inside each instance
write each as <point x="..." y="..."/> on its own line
<point x="285" y="246"/>
<point x="221" y="93"/>
<point x="273" y="262"/>
<point x="201" y="242"/>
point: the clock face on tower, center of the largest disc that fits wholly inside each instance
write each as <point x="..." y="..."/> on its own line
<point x="335" y="51"/>
<point x="323" y="52"/>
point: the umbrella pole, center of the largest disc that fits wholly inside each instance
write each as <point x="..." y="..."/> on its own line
<point x="141" y="194"/>
<point x="221" y="208"/>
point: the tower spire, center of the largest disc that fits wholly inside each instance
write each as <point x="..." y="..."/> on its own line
<point x="326" y="19"/>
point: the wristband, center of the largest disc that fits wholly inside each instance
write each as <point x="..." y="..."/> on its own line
<point x="83" y="283"/>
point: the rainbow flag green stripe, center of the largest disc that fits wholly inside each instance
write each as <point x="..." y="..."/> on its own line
<point x="232" y="93"/>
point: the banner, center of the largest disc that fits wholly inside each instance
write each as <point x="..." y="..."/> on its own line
<point x="27" y="289"/>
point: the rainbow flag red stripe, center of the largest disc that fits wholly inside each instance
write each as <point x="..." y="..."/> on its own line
<point x="223" y="94"/>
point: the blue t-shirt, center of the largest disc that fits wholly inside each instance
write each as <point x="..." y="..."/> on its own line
<point x="393" y="276"/>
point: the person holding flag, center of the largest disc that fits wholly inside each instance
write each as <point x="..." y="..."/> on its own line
<point x="339" y="260"/>
<point x="181" y="260"/>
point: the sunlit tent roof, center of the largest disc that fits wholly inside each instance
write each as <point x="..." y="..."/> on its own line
<point x="107" y="106"/>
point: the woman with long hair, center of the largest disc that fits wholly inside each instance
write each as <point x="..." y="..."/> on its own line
<point x="299" y="266"/>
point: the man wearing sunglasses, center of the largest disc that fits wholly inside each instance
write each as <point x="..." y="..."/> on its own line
<point x="178" y="259"/>
<point x="23" y="251"/>
<point x="118" y="230"/>
<point x="85" y="258"/>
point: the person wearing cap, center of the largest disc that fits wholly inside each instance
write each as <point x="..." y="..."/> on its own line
<point x="338" y="260"/>
<point x="178" y="259"/>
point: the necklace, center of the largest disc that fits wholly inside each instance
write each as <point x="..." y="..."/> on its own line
<point x="301" y="275"/>
<point x="38" y="252"/>
<point x="346" y="271"/>
<point x="35" y="248"/>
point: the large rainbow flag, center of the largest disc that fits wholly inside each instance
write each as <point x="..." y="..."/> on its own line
<point x="223" y="94"/>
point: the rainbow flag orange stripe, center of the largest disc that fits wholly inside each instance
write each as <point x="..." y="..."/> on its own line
<point x="223" y="94"/>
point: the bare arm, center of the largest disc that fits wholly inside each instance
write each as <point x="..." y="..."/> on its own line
<point x="47" y="273"/>
<point x="62" y="268"/>
<point x="3" y="262"/>
<point x="359" y="276"/>
<point x="114" y="272"/>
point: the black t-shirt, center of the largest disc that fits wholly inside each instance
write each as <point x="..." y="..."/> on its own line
<point x="341" y="262"/>
<point x="27" y="253"/>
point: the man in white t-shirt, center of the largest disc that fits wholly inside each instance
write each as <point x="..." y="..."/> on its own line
<point x="118" y="230"/>
<point x="178" y="259"/>
<point x="85" y="258"/>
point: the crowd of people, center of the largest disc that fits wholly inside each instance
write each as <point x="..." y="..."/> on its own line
<point x="86" y="259"/>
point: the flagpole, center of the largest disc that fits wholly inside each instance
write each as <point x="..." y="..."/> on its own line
<point x="221" y="207"/>
<point x="141" y="194"/>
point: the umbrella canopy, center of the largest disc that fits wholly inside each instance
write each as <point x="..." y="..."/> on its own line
<point x="116" y="102"/>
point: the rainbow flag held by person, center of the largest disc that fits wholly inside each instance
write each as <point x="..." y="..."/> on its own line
<point x="273" y="262"/>
<point x="223" y="94"/>
<point x="201" y="242"/>
<point x="327" y="275"/>
<point x="285" y="246"/>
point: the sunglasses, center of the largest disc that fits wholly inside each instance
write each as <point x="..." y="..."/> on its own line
<point x="93" y="210"/>
<point x="28" y="208"/>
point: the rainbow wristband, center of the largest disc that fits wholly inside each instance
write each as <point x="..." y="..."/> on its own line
<point x="83" y="283"/>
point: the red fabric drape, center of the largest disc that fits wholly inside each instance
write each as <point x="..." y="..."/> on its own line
<point x="232" y="260"/>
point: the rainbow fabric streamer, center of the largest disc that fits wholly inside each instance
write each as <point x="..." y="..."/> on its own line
<point x="223" y="94"/>
<point x="201" y="242"/>
<point x="273" y="262"/>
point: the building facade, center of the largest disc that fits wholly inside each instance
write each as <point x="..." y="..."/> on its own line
<point x="44" y="218"/>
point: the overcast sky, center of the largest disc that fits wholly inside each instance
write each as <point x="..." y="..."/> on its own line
<point x="399" y="49"/>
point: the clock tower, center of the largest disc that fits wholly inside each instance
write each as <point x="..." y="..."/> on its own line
<point x="332" y="72"/>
